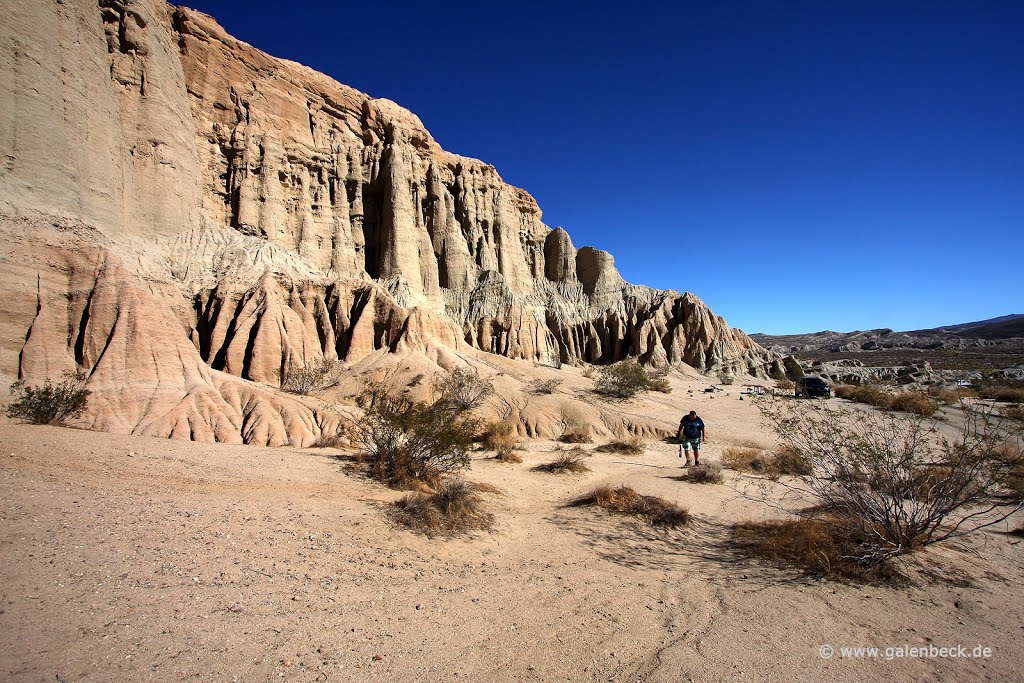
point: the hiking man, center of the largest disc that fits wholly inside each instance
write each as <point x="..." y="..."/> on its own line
<point x="690" y="435"/>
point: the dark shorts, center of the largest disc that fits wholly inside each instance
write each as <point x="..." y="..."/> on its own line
<point x="691" y="443"/>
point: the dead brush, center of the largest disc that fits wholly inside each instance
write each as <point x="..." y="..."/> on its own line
<point x="507" y="454"/>
<point x="705" y="473"/>
<point x="568" y="462"/>
<point x="631" y="446"/>
<point x="331" y="439"/>
<point x="818" y="547"/>
<point x="575" y="436"/>
<point x="498" y="435"/>
<point x="624" y="500"/>
<point x="454" y="508"/>
<point x="745" y="459"/>
<point x="790" y="461"/>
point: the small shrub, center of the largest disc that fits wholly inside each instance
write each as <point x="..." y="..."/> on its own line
<point x="406" y="443"/>
<point x="498" y="435"/>
<point x="915" y="402"/>
<point x="705" y="473"/>
<point x="624" y="500"/>
<point x="565" y="463"/>
<point x="50" y="404"/>
<point x="331" y="439"/>
<point x="626" y="379"/>
<point x="744" y="459"/>
<point x="817" y="547"/>
<point x="1013" y="412"/>
<point x="590" y="372"/>
<point x="508" y="454"/>
<point x="455" y="508"/>
<point x="1003" y="394"/>
<point x="316" y="376"/>
<point x="951" y="397"/>
<point x="575" y="436"/>
<point x="542" y="387"/>
<point x="788" y="460"/>
<point x="464" y="389"/>
<point x="865" y="394"/>
<point x="726" y="378"/>
<point x="632" y="446"/>
<point x="784" y="384"/>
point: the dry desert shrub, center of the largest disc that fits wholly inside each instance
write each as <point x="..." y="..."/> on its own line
<point x="784" y="384"/>
<point x="569" y="462"/>
<point x="705" y="473"/>
<point x="331" y="439"/>
<point x="464" y="389"/>
<point x="576" y="435"/>
<point x="50" y="404"/>
<point x="915" y="402"/>
<point x="508" y="454"/>
<point x="1013" y="412"/>
<point x="631" y="446"/>
<point x="454" y="508"/>
<point x="624" y="500"/>
<point x="790" y="461"/>
<point x="543" y="387"/>
<point x="406" y="443"/>
<point x="893" y="481"/>
<point x="1003" y="394"/>
<point x="952" y="397"/>
<point x="745" y="459"/>
<point x="312" y="377"/>
<point x="498" y="435"/>
<point x="818" y="547"/>
<point x="628" y="378"/>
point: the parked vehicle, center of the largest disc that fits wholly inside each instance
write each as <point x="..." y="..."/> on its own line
<point x="812" y="387"/>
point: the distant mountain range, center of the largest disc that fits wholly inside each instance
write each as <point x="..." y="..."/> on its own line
<point x="962" y="335"/>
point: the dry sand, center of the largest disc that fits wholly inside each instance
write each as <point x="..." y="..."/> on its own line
<point x="128" y="558"/>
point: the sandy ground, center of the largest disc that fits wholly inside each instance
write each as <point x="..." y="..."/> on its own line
<point x="127" y="558"/>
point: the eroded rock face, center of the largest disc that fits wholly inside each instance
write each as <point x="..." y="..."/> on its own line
<point x="229" y="215"/>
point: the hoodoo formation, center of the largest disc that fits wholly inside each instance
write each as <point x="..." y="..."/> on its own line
<point x="186" y="218"/>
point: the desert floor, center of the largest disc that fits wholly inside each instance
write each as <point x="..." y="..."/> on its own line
<point x="127" y="558"/>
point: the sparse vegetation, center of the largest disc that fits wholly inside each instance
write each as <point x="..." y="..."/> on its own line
<point x="313" y="377"/>
<point x="815" y="546"/>
<point x="891" y="481"/>
<point x="907" y="401"/>
<point x="331" y="438"/>
<point x="568" y="462"/>
<point x="464" y="389"/>
<point x="498" y="435"/>
<point x="624" y="500"/>
<point x="50" y="404"/>
<point x="631" y="446"/>
<point x="576" y="435"/>
<point x="726" y="378"/>
<point x="785" y="384"/>
<point x="454" y="508"/>
<point x="543" y="387"/>
<point x="1003" y="394"/>
<point x="626" y="379"/>
<point x="508" y="454"/>
<point x="407" y="443"/>
<point x="745" y="459"/>
<point x="705" y="473"/>
<point x="788" y="460"/>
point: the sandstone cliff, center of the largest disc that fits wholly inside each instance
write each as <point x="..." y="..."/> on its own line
<point x="189" y="217"/>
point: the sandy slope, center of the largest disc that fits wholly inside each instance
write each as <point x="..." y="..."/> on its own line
<point x="128" y="558"/>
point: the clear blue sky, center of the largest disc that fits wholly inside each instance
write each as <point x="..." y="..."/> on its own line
<point x="798" y="165"/>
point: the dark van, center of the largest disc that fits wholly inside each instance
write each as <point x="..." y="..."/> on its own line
<point x="812" y="387"/>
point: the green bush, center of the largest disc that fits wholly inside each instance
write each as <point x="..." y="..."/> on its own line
<point x="406" y="443"/>
<point x="50" y="404"/>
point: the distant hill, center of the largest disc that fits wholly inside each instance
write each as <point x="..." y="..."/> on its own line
<point x="961" y="335"/>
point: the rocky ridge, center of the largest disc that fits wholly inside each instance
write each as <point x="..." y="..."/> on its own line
<point x="188" y="218"/>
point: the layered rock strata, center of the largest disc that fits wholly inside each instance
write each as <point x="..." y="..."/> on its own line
<point x="244" y="215"/>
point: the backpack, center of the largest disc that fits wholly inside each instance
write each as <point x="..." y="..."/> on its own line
<point x="691" y="428"/>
